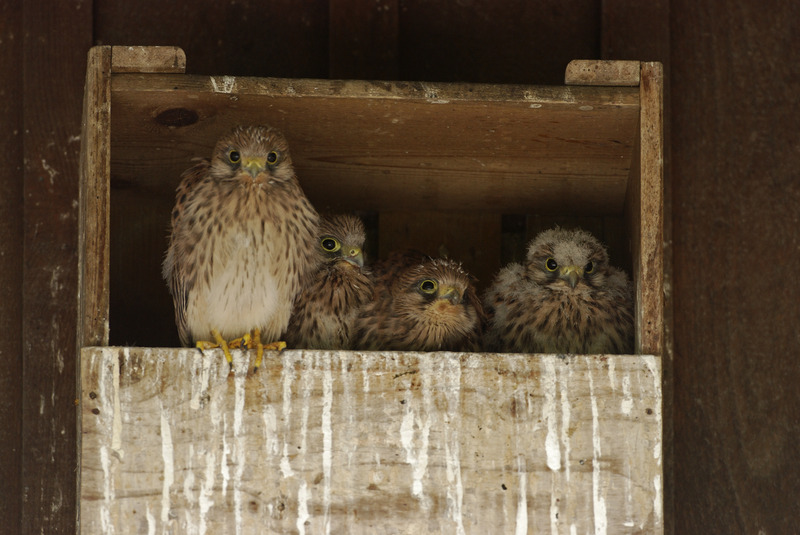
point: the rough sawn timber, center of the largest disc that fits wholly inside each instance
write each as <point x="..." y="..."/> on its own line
<point x="336" y="442"/>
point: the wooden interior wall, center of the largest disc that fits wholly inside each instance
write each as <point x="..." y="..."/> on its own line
<point x="735" y="198"/>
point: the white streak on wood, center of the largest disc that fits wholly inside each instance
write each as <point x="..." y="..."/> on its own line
<point x="653" y="368"/>
<point x="365" y="374"/>
<point x="287" y="374"/>
<point x="188" y="482"/>
<point x="612" y="374"/>
<point x="327" y="438"/>
<point x="549" y="414"/>
<point x="307" y="374"/>
<point x="224" y="469"/>
<point x="565" y="372"/>
<point x="347" y="406"/>
<point x="270" y="430"/>
<point x="627" y="398"/>
<point x="303" y="495"/>
<point x="151" y="521"/>
<point x="455" y="490"/>
<point x="225" y="84"/>
<point x="116" y="424"/>
<point x="418" y="457"/>
<point x="167" y="456"/>
<point x="599" y="501"/>
<point x="108" y="492"/>
<point x="522" y="497"/>
<point x="207" y="490"/>
<point x="240" y="456"/>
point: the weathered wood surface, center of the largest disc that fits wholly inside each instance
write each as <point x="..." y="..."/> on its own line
<point x="94" y="229"/>
<point x="148" y="59"/>
<point x="599" y="72"/>
<point x="649" y="247"/>
<point x="392" y="146"/>
<point x="319" y="442"/>
<point x="55" y="37"/>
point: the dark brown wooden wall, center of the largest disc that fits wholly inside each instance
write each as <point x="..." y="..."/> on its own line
<point x="734" y="198"/>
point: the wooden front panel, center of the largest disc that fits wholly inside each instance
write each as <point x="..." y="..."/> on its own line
<point x="340" y="442"/>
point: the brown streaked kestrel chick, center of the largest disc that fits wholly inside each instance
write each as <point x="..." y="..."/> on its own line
<point x="566" y="298"/>
<point x="243" y="239"/>
<point x="326" y="308"/>
<point x="421" y="304"/>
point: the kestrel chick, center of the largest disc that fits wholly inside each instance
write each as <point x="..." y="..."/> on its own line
<point x="566" y="298"/>
<point x="421" y="305"/>
<point x="243" y="238"/>
<point x="326" y="308"/>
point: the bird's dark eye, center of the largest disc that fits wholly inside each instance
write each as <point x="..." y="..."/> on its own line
<point x="551" y="264"/>
<point x="234" y="156"/>
<point x="272" y="157"/>
<point x="330" y="244"/>
<point x="588" y="268"/>
<point x="428" y="286"/>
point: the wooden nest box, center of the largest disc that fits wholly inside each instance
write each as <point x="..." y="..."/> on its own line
<point x="389" y="442"/>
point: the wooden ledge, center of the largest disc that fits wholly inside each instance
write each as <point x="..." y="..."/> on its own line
<point x="346" y="442"/>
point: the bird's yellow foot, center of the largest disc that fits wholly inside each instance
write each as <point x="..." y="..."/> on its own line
<point x="252" y="340"/>
<point x="255" y="343"/>
<point x="220" y="342"/>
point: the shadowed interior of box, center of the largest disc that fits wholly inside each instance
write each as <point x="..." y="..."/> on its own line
<point x="471" y="171"/>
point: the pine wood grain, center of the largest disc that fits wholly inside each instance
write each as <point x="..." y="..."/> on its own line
<point x="370" y="442"/>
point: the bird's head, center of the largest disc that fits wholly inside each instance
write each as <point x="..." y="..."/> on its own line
<point x="567" y="259"/>
<point x="440" y="286"/>
<point x="254" y="155"/>
<point x="341" y="239"/>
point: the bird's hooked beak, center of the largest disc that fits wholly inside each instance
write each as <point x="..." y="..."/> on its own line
<point x="254" y="166"/>
<point x="571" y="275"/>
<point x="450" y="293"/>
<point x="354" y="256"/>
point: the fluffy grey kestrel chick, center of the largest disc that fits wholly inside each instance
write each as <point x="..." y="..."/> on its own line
<point x="565" y="298"/>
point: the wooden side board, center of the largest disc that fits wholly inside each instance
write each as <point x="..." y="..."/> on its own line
<point x="319" y="442"/>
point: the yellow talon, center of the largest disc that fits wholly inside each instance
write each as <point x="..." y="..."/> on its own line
<point x="250" y="340"/>
<point x="220" y="342"/>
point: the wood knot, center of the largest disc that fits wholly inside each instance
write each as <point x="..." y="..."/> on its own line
<point x="177" y="117"/>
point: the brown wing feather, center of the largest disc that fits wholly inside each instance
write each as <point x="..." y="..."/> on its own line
<point x="179" y="285"/>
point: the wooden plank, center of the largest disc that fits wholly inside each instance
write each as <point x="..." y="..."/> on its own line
<point x="11" y="266"/>
<point x="736" y="198"/>
<point x="393" y="146"/>
<point x="363" y="39"/>
<point x="651" y="195"/>
<point x="641" y="30"/>
<point x="94" y="224"/>
<point x="148" y="59"/>
<point x="55" y="39"/>
<point x="602" y="72"/>
<point x="378" y="442"/>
